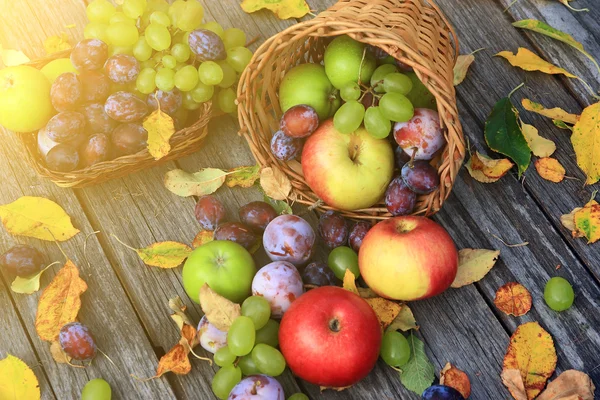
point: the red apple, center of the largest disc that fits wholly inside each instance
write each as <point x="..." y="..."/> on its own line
<point x="408" y="258"/>
<point x="330" y="337"/>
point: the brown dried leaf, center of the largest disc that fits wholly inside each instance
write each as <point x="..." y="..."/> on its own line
<point x="514" y="382"/>
<point x="455" y="378"/>
<point x="219" y="311"/>
<point x="513" y="299"/>
<point x="203" y="237"/>
<point x="570" y="384"/>
<point x="386" y="310"/>
<point x="550" y="169"/>
<point x="463" y="62"/>
<point x="404" y="321"/>
<point x="473" y="265"/>
<point x="177" y="359"/>
<point x="350" y="282"/>
<point x="275" y="183"/>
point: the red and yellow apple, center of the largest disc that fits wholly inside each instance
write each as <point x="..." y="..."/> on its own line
<point x="348" y="172"/>
<point x="408" y="258"/>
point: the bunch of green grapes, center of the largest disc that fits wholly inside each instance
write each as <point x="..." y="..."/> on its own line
<point x="173" y="48"/>
<point x="251" y="348"/>
<point x="379" y="104"/>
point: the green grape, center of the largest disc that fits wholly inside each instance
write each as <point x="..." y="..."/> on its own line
<point x="95" y="30"/>
<point x="258" y="309"/>
<point x="148" y="64"/>
<point x="120" y="50"/>
<point x="189" y="103"/>
<point x="226" y="99"/>
<point x="350" y="91"/>
<point x="120" y="17"/>
<point x="269" y="334"/>
<point x="214" y="27"/>
<point x="202" y="93"/>
<point x="395" y="350"/>
<point x="241" y="336"/>
<point x="186" y="78"/>
<point x="376" y="123"/>
<point x="397" y="83"/>
<point x="190" y="17"/>
<point x="157" y="58"/>
<point x="175" y="10"/>
<point x="342" y="258"/>
<point x="158" y="37"/>
<point x="268" y="359"/>
<point x="165" y="79"/>
<point x="169" y="61"/>
<point x="239" y="58"/>
<point x="248" y="366"/>
<point x="298" y="396"/>
<point x="380" y="74"/>
<point x="387" y="60"/>
<point x="559" y="294"/>
<point x="134" y="8"/>
<point x="161" y="18"/>
<point x="96" y="389"/>
<point x="181" y="52"/>
<point x="181" y="65"/>
<point x="223" y="357"/>
<point x="229" y="75"/>
<point x="224" y="380"/>
<point x="158" y="5"/>
<point x="122" y="34"/>
<point x="210" y="73"/>
<point x="100" y="11"/>
<point x="396" y="107"/>
<point x="146" y="81"/>
<point x="233" y="37"/>
<point x="142" y="50"/>
<point x="349" y="117"/>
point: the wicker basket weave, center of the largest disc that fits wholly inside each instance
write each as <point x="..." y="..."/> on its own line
<point x="184" y="142"/>
<point x="414" y="31"/>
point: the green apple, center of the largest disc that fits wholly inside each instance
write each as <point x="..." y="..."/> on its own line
<point x="225" y="266"/>
<point x="343" y="59"/>
<point x="420" y="96"/>
<point x="308" y="84"/>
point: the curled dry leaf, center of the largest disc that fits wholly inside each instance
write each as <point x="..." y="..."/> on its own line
<point x="587" y="222"/>
<point x="529" y="61"/>
<point x="473" y="265"/>
<point x="555" y="113"/>
<point x="570" y="384"/>
<point x="37" y="217"/>
<point x="454" y="377"/>
<point x="539" y="146"/>
<point x="566" y="3"/>
<point x="568" y="221"/>
<point x="203" y="237"/>
<point x="550" y="169"/>
<point x="161" y="128"/>
<point x="30" y="284"/>
<point x="514" y="383"/>
<point x="184" y="184"/>
<point x="275" y="183"/>
<point x="244" y="177"/>
<point x="283" y="9"/>
<point x="531" y="351"/>
<point x="404" y="321"/>
<point x="177" y="359"/>
<point x="463" y="62"/>
<point x="513" y="299"/>
<point x="18" y="380"/>
<point x="58" y="354"/>
<point x="586" y="142"/>
<point x="178" y="308"/>
<point x="219" y="311"/>
<point x="60" y="302"/>
<point x="487" y="170"/>
<point x="386" y="310"/>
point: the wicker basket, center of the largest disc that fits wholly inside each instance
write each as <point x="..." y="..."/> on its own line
<point x="184" y="142"/>
<point x="414" y="31"/>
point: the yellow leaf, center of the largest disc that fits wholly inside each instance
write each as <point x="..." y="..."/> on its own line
<point x="12" y="58"/>
<point x="587" y="222"/>
<point x="30" y="284"/>
<point x="60" y="302"/>
<point x="164" y="254"/>
<point x="58" y="354"/>
<point x="219" y="311"/>
<point x="566" y="3"/>
<point x="541" y="147"/>
<point x="473" y="265"/>
<point x="550" y="169"/>
<point x="570" y="383"/>
<point x="275" y="183"/>
<point x="203" y="237"/>
<point x="463" y="62"/>
<point x="586" y="142"/>
<point x="184" y="184"/>
<point x="487" y="170"/>
<point x="160" y="127"/>
<point x="17" y="380"/>
<point x="554" y="113"/>
<point x="386" y="310"/>
<point x="37" y="217"/>
<point x="405" y="320"/>
<point x="57" y="43"/>
<point x="529" y="61"/>
<point x="531" y="351"/>
<point x="283" y="9"/>
<point x="243" y="176"/>
<point x="513" y="299"/>
<point x="350" y="282"/>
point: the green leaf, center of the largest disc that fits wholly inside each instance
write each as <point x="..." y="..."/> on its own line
<point x="203" y="182"/>
<point x="280" y="206"/>
<point x="503" y="134"/>
<point x="243" y="176"/>
<point x="418" y="374"/>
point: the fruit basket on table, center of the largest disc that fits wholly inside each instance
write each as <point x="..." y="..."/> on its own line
<point x="414" y="32"/>
<point x="184" y="142"/>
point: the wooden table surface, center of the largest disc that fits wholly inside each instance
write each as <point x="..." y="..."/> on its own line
<point x="126" y="304"/>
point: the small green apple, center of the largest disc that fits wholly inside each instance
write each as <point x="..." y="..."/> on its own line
<point x="225" y="266"/>
<point x="343" y="59"/>
<point x="308" y="84"/>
